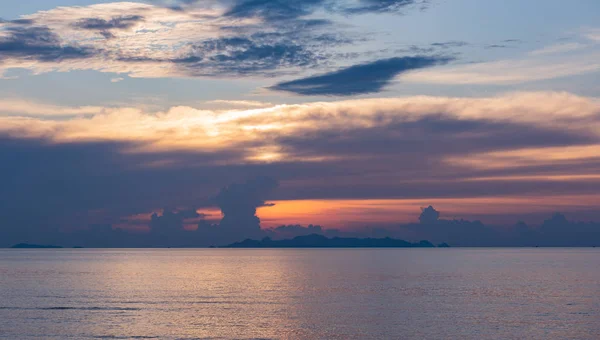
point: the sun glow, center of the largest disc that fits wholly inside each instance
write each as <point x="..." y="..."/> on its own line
<point x="353" y="213"/>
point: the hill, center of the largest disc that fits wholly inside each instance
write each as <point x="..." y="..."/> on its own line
<point x="320" y="241"/>
<point x="34" y="246"/>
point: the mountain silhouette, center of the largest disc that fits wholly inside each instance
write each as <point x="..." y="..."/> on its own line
<point x="320" y="241"/>
<point x="34" y="246"/>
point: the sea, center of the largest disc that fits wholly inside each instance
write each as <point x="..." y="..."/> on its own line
<point x="454" y="293"/>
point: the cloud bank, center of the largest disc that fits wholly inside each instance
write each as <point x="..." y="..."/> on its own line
<point x="105" y="165"/>
<point x="272" y="39"/>
<point x="253" y="38"/>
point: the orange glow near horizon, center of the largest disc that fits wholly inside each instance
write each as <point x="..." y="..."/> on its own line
<point x="351" y="214"/>
<point x="348" y="214"/>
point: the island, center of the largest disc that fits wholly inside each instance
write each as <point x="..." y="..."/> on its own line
<point x="320" y="241"/>
<point x="34" y="246"/>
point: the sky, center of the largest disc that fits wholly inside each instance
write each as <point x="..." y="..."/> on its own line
<point x="231" y="118"/>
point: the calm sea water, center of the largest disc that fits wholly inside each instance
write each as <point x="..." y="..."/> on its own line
<point x="300" y="294"/>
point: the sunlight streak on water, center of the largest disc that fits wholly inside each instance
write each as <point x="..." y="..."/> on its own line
<point x="289" y="293"/>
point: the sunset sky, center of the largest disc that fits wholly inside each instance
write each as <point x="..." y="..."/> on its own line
<point x="361" y="111"/>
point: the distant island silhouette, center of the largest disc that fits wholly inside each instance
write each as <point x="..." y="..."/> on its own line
<point x="320" y="241"/>
<point x="34" y="246"/>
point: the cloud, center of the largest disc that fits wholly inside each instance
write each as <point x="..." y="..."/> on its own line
<point x="279" y="10"/>
<point x="120" y="22"/>
<point x="170" y="220"/>
<point x="506" y="72"/>
<point x="167" y="230"/>
<point x="550" y="62"/>
<point x="67" y="187"/>
<point x="555" y="231"/>
<point x="154" y="41"/>
<point x="194" y="129"/>
<point x="238" y="203"/>
<point x="559" y="48"/>
<point x="251" y="38"/>
<point x="593" y="34"/>
<point x="23" y="107"/>
<point x="38" y="44"/>
<point x="110" y="163"/>
<point x="495" y="46"/>
<point x="358" y="79"/>
<point x="455" y="232"/>
<point x="450" y="44"/>
<point x="429" y="215"/>
<point x="273" y="9"/>
<point x="231" y="104"/>
<point x="434" y="137"/>
<point x="384" y="6"/>
<point x="17" y="21"/>
<point x="243" y="55"/>
<point x="104" y="27"/>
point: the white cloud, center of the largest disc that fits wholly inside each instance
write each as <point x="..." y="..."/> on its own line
<point x="558" y="48"/>
<point x="593" y="34"/>
<point x="549" y="62"/>
<point x="238" y="104"/>
<point x="143" y="40"/>
<point x="506" y="72"/>
<point x="146" y="48"/>
<point x="22" y="107"/>
<point x="190" y="128"/>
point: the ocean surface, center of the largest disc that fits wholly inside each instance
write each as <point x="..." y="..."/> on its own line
<point x="538" y="293"/>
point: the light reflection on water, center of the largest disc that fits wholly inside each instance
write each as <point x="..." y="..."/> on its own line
<point x="292" y="293"/>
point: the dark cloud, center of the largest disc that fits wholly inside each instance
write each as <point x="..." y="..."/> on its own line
<point x="38" y="43"/>
<point x="167" y="231"/>
<point x="384" y="6"/>
<point x="50" y="188"/>
<point x="451" y="47"/>
<point x="429" y="215"/>
<point x="414" y="49"/>
<point x="288" y="38"/>
<point x="104" y="27"/>
<point x="273" y="9"/>
<point x="429" y="136"/>
<point x="358" y="79"/>
<point x="170" y="220"/>
<point x="69" y="186"/>
<point x="255" y="53"/>
<point x="279" y="10"/>
<point x="17" y="21"/>
<point x="238" y="203"/>
<point x="405" y="154"/>
<point x="73" y="193"/>
<point x="455" y="232"/>
<point x="252" y="50"/>
<point x="191" y="60"/>
<point x="122" y="22"/>
<point x="450" y="44"/>
<point x="557" y="231"/>
<point x="259" y="53"/>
